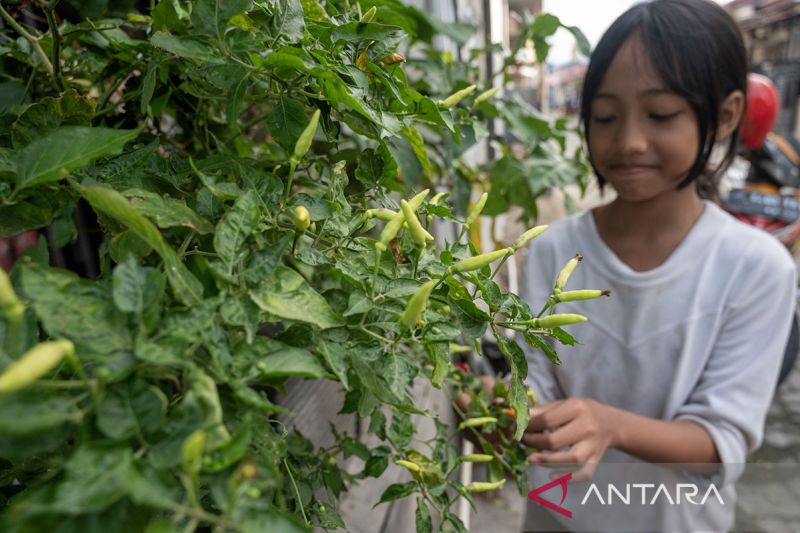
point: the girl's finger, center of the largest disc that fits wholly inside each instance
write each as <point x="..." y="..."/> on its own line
<point x="585" y="472"/>
<point x="549" y="416"/>
<point x="564" y="458"/>
<point x="566" y="435"/>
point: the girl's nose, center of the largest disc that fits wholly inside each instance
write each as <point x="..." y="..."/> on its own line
<point x="632" y="137"/>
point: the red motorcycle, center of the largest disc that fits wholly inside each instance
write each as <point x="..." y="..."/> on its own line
<point x="762" y="188"/>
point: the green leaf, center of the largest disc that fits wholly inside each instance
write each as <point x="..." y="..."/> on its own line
<point x="187" y="288"/>
<point x="401" y="430"/>
<point x="537" y="342"/>
<point x="583" y="43"/>
<point x="65" y="149"/>
<point x="396" y="491"/>
<point x="148" y="86"/>
<point x="29" y="411"/>
<point x="187" y="48"/>
<point x="262" y="263"/>
<point x="230" y="452"/>
<point x="32" y="213"/>
<point x="287" y="295"/>
<point x="545" y="25"/>
<point x="95" y="478"/>
<point x="288" y="19"/>
<point x="423" y="517"/>
<point x="167" y="212"/>
<point x="315" y="11"/>
<point x="287" y="121"/>
<point x="76" y="309"/>
<point x="115" y="417"/>
<point x="516" y="391"/>
<point x="472" y="321"/>
<point x="49" y="113"/>
<point x="235" y="227"/>
<point x="563" y="337"/>
<point x="358" y="304"/>
<point x="335" y="358"/>
<point x="211" y="16"/>
<point x="441" y="362"/>
<point x="329" y="518"/>
<point x="135" y="288"/>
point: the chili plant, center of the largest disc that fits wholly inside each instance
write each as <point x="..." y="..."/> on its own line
<point x="244" y="162"/>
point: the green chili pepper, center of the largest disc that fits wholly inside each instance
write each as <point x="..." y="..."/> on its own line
<point x="390" y="230"/>
<point x="192" y="452"/>
<point x="553" y="321"/>
<point x="574" y="296"/>
<point x="476" y="210"/>
<point x="528" y="236"/>
<point x="484" y="486"/>
<point x="304" y="141"/>
<point x="458" y="348"/>
<point x="411" y="467"/>
<point x="438" y="196"/>
<point x="475" y="422"/>
<point x="485" y="95"/>
<point x="416" y="305"/>
<point x="566" y="272"/>
<point x="36" y="362"/>
<point x="476" y="458"/>
<point x="416" y="201"/>
<point x="418" y="233"/>
<point x="393" y="226"/>
<point x="302" y="220"/>
<point x="369" y="15"/>
<point x="479" y="261"/>
<point x="456" y="97"/>
<point x="10" y="305"/>
<point x="381" y="213"/>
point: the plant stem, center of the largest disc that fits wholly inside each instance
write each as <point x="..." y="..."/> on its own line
<point x="30" y="38"/>
<point x="296" y="492"/>
<point x="288" y="189"/>
<point x="500" y="265"/>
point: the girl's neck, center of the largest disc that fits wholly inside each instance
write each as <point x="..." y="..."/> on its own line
<point x="664" y="213"/>
<point x="644" y="234"/>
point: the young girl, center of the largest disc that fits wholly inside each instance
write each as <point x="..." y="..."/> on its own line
<point x="680" y="363"/>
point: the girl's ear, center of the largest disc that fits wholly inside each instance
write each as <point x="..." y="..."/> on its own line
<point x="730" y="113"/>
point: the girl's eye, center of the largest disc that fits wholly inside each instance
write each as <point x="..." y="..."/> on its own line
<point x="661" y="117"/>
<point x="603" y="119"/>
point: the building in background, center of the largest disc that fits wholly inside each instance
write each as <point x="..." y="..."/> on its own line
<point x="772" y="36"/>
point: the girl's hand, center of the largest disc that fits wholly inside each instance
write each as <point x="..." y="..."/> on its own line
<point x="585" y="427"/>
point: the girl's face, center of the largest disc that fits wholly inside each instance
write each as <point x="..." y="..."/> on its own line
<point x="643" y="137"/>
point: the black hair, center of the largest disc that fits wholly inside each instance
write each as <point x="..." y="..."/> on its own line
<point x="697" y="49"/>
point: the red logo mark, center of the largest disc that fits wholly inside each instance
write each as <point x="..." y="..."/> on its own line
<point x="562" y="481"/>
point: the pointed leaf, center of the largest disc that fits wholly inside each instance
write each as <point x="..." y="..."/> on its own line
<point x="65" y="149"/>
<point x="287" y="295"/>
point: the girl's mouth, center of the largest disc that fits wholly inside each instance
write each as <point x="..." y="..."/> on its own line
<point x="631" y="170"/>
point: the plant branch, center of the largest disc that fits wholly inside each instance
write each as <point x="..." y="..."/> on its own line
<point x="31" y="39"/>
<point x="49" y="13"/>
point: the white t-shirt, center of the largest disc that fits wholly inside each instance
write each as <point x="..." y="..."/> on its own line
<point x="701" y="337"/>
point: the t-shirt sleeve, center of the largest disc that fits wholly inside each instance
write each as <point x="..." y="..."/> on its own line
<point x="735" y="389"/>
<point x="536" y="283"/>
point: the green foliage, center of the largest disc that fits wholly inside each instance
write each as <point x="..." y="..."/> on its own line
<point x="183" y="128"/>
